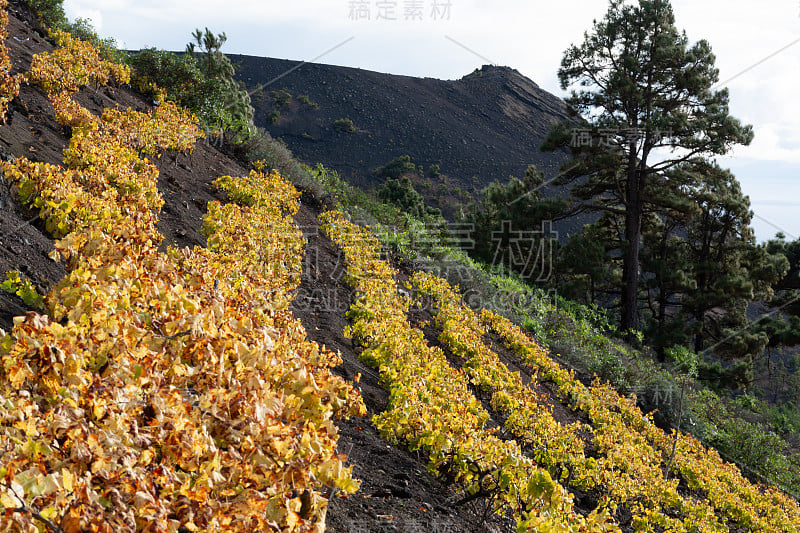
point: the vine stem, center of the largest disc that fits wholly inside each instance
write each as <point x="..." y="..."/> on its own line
<point x="33" y="512"/>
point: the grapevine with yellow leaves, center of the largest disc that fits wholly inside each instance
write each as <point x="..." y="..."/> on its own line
<point x="74" y="64"/>
<point x="636" y="448"/>
<point x="164" y="391"/>
<point x="9" y="84"/>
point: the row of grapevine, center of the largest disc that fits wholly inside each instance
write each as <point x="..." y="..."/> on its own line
<point x="630" y="441"/>
<point x="628" y="470"/>
<point x="430" y="405"/>
<point x="557" y="447"/>
<point x="162" y="391"/>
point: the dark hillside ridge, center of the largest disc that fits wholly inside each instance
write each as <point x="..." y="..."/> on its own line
<point x="489" y="124"/>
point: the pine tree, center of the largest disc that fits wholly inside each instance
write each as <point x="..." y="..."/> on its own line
<point x="226" y="102"/>
<point x="711" y="269"/>
<point x="643" y="90"/>
<point x="782" y="326"/>
<point x="586" y="272"/>
<point x="664" y="259"/>
<point x="212" y="61"/>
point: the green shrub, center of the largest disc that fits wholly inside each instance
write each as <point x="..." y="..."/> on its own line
<point x="682" y="360"/>
<point x="758" y="450"/>
<point x="581" y="342"/>
<point x="274" y="154"/>
<point x="306" y="101"/>
<point x="281" y="98"/>
<point x="660" y="393"/>
<point x="755" y="447"/>
<point x="784" y="419"/>
<point x="50" y="13"/>
<point x="396" y="168"/>
<point x="747" y="401"/>
<point x="784" y="423"/>
<point x="344" y="125"/>
<point x="401" y="192"/>
<point x="273" y="116"/>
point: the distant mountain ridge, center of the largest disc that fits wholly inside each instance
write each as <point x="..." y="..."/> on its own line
<point x="487" y="125"/>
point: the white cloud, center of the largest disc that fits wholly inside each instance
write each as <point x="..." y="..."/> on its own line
<point x="773" y="142"/>
<point x="85" y="12"/>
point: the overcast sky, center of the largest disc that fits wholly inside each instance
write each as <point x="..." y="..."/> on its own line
<point x="757" y="45"/>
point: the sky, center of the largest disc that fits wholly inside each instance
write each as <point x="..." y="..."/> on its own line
<point x="757" y="47"/>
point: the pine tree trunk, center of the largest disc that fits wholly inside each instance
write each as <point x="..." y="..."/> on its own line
<point x="630" y="261"/>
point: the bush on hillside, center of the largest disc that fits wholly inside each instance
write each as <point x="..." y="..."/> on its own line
<point x="281" y="99"/>
<point x="201" y="80"/>
<point x="396" y="167"/>
<point x="50" y="12"/>
<point x="306" y="101"/>
<point x="401" y="193"/>
<point x="273" y="153"/>
<point x="273" y="116"/>
<point x="344" y="125"/>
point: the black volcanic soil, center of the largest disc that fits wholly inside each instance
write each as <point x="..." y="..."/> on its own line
<point x="488" y="125"/>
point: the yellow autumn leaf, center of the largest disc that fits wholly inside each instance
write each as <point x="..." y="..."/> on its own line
<point x="8" y="501"/>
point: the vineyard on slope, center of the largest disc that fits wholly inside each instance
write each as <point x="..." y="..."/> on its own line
<point x="628" y="469"/>
<point x="175" y="390"/>
<point x="161" y="391"/>
<point x="432" y="409"/>
<point x="632" y="467"/>
<point x="619" y="424"/>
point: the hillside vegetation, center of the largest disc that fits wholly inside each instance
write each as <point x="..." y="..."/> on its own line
<point x="165" y="388"/>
